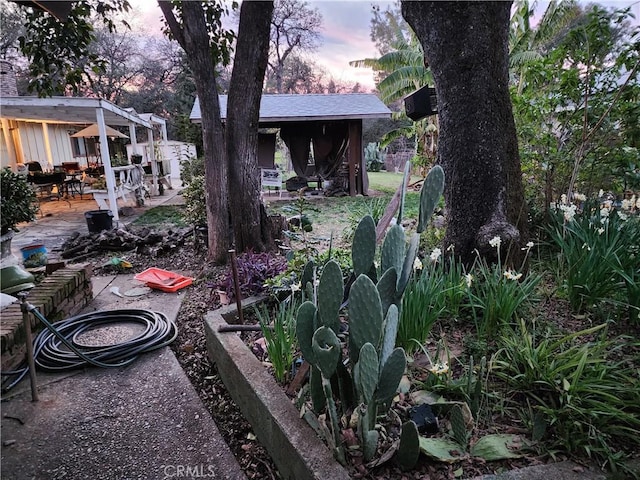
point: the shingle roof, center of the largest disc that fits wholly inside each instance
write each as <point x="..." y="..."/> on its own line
<point x="294" y="108"/>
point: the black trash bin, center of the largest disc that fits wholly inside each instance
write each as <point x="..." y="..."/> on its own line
<point x="98" y="220"/>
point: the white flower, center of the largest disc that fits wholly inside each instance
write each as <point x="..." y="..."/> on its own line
<point x="468" y="278"/>
<point x="586" y="246"/>
<point x="623" y="216"/>
<point x="511" y="275"/>
<point x="450" y="248"/>
<point x="569" y="211"/>
<point x="295" y="287"/>
<point x="563" y="198"/>
<point x="600" y="231"/>
<point x="604" y="212"/>
<point x="580" y="197"/>
<point x="439" y="368"/>
<point x="600" y="193"/>
<point x="417" y="264"/>
<point x="528" y="246"/>
<point x="435" y="255"/>
<point x="495" y="242"/>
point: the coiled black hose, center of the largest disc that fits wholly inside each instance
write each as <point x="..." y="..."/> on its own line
<point x="56" y="348"/>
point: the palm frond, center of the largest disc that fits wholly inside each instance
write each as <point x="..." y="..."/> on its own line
<point x="389" y="137"/>
<point x="519" y="59"/>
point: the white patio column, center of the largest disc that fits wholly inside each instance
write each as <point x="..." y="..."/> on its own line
<point x="132" y="137"/>
<point x="152" y="159"/>
<point x="106" y="162"/>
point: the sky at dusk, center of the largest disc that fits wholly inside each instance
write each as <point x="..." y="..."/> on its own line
<point x="345" y="33"/>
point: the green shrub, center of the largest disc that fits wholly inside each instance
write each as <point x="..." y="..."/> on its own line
<point x="18" y="202"/>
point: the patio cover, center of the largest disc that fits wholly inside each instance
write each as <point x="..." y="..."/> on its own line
<point x="77" y="111"/>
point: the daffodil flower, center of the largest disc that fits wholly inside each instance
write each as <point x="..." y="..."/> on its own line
<point x="439" y="368"/>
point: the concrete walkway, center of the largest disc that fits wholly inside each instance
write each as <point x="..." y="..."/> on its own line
<point x="144" y="421"/>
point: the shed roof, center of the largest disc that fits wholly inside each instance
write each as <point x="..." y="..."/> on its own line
<point x="295" y="108"/>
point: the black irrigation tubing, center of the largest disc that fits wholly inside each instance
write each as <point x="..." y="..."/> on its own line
<point x="56" y="348"/>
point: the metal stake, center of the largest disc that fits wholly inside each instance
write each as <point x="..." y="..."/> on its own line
<point x="236" y="285"/>
<point x="26" y="321"/>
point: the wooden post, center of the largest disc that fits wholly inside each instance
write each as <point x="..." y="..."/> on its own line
<point x="26" y="322"/>
<point x="236" y="285"/>
<point x="355" y="155"/>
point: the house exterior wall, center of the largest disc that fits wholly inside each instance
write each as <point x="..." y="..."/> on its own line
<point x="28" y="144"/>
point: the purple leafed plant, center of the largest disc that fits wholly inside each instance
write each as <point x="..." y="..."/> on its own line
<point x="253" y="270"/>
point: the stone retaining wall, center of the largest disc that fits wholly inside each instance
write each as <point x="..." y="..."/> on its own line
<point x="62" y="294"/>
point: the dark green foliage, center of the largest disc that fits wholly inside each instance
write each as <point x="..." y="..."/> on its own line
<point x="18" y="203"/>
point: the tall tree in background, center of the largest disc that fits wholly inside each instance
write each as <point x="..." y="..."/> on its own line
<point x="466" y="46"/>
<point x="124" y="62"/>
<point x="384" y="27"/>
<point x="294" y="28"/>
<point x="12" y="21"/>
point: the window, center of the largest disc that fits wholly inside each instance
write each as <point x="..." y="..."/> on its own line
<point x="83" y="147"/>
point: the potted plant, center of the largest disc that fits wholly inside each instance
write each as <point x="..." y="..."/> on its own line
<point x="17" y="205"/>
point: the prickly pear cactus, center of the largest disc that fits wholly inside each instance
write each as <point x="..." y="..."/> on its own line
<point x="409" y="448"/>
<point x="330" y="293"/>
<point x="376" y="365"/>
<point x="363" y="248"/>
<point x="365" y="316"/>
<point x="430" y="195"/>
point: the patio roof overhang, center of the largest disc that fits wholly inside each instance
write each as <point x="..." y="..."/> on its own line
<point x="71" y="110"/>
<point x="80" y="111"/>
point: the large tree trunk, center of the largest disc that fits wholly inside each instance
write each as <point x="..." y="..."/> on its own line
<point x="466" y="46"/>
<point x="194" y="39"/>
<point x="243" y="112"/>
